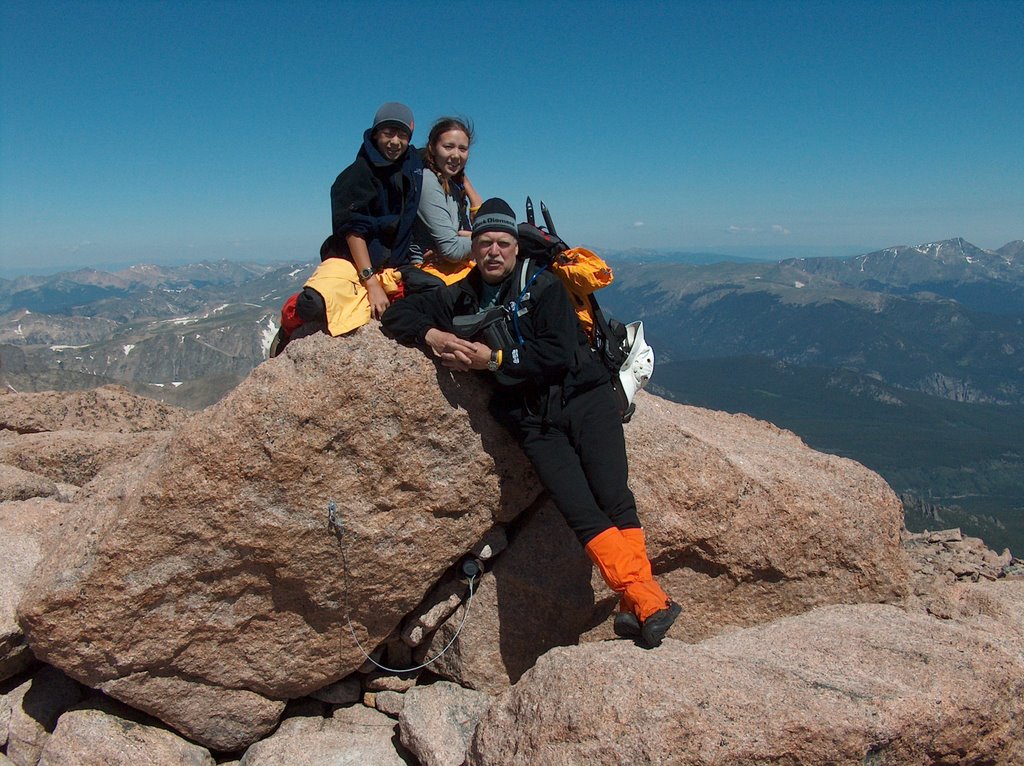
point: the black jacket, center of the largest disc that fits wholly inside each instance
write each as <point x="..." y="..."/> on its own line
<point x="378" y="200"/>
<point x="548" y="354"/>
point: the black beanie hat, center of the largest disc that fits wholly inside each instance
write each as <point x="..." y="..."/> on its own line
<point x="495" y="215"/>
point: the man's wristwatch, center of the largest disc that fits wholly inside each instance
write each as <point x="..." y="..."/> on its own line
<point x="365" y="274"/>
<point x="492" y="364"/>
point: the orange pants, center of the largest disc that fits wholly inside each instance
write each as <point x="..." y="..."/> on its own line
<point x="621" y="557"/>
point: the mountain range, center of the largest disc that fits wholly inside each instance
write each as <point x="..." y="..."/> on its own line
<point x="182" y="334"/>
<point x="944" y="319"/>
<point x="909" y="359"/>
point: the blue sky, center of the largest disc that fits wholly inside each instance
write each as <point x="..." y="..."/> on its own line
<point x="173" y="131"/>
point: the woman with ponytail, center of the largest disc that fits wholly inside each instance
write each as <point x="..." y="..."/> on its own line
<point x="441" y="234"/>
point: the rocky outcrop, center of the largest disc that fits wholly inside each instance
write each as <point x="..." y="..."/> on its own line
<point x="109" y="408"/>
<point x="50" y="445"/>
<point x="261" y="550"/>
<point x="844" y="684"/>
<point x="18" y="484"/>
<point x="750" y="524"/>
<point x="213" y="575"/>
<point x="70" y="438"/>
<point x="74" y="457"/>
<point x="946" y="558"/>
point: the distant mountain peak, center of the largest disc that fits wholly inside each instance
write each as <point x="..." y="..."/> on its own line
<point x="956" y="252"/>
<point x="1013" y="251"/>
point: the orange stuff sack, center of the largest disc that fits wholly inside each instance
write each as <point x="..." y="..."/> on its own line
<point x="582" y="272"/>
<point x="447" y="271"/>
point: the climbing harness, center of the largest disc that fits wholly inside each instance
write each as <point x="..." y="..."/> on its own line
<point x="470" y="571"/>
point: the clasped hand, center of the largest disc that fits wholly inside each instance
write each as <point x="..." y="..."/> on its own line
<point x="457" y="353"/>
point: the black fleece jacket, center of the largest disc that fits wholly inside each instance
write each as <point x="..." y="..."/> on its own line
<point x="378" y="200"/>
<point x="549" y="349"/>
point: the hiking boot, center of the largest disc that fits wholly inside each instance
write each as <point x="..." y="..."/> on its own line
<point x="626" y="625"/>
<point x="656" y="626"/>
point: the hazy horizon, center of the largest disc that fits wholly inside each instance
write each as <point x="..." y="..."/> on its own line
<point x="752" y="252"/>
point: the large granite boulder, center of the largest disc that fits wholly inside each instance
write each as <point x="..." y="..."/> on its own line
<point x="861" y="684"/>
<point x="209" y="587"/>
<point x="70" y="437"/>
<point x="746" y="523"/>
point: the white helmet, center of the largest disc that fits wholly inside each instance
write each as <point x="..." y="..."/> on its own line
<point x="639" y="364"/>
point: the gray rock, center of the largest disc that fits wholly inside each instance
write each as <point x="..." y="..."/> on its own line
<point x="438" y="721"/>
<point x="382" y="681"/>
<point x="945" y="536"/>
<point x="437" y="607"/>
<point x="494" y="542"/>
<point x="389" y="703"/>
<point x="5" y="716"/>
<point x="107" y="408"/>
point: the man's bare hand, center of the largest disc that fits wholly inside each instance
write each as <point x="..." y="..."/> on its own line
<point x="457" y="353"/>
<point x="378" y="298"/>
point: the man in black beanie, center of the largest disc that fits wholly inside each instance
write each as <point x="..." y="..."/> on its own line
<point x="556" y="395"/>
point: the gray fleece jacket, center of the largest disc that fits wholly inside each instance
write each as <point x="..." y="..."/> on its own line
<point x="437" y="224"/>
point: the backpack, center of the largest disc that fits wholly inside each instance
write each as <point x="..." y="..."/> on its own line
<point x="621" y="347"/>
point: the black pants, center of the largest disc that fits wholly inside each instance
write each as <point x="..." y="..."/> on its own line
<point x="580" y="457"/>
